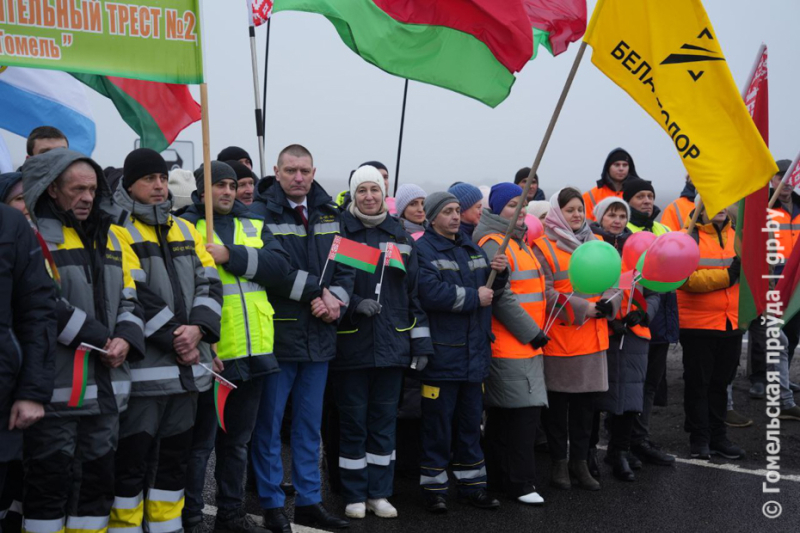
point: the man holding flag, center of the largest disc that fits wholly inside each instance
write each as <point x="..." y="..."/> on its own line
<point x="95" y="271"/>
<point x="305" y="221"/>
<point x="248" y="259"/>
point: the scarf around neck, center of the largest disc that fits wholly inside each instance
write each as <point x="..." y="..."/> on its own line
<point x="557" y="228"/>
<point x="369" y="221"/>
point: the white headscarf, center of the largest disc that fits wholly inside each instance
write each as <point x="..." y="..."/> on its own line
<point x="558" y="229"/>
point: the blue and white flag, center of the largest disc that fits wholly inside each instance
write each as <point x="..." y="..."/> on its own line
<point x="5" y="158"/>
<point x="30" y="98"/>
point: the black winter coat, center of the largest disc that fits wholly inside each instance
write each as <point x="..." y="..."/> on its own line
<point x="299" y="336"/>
<point x="27" y="325"/>
<point x="400" y="331"/>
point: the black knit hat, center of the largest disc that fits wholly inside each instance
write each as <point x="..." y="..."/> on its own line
<point x="241" y="170"/>
<point x="523" y="173"/>
<point x="219" y="171"/>
<point x="634" y="186"/>
<point x="140" y="163"/>
<point x="234" y="153"/>
<point x="783" y="166"/>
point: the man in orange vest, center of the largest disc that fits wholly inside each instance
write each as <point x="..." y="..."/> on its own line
<point x="708" y="306"/>
<point x="676" y="214"/>
<point x="618" y="166"/>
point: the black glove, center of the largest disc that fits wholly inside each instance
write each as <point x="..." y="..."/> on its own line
<point x="368" y="307"/>
<point x="617" y="327"/>
<point x="604" y="308"/>
<point x="635" y="318"/>
<point x="540" y="340"/>
<point x="734" y="270"/>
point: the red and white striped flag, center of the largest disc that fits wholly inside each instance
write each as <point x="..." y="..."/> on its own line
<point x="260" y="11"/>
<point x="793" y="174"/>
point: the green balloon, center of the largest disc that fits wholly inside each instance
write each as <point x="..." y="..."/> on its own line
<point x="657" y="286"/>
<point x="594" y="267"/>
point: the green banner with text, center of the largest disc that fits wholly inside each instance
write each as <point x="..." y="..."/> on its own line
<point x="156" y="40"/>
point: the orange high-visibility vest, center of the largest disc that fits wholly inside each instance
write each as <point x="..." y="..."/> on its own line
<point x="566" y="340"/>
<point x="596" y="195"/>
<point x="788" y="232"/>
<point x="527" y="284"/>
<point x="711" y="310"/>
<point x="638" y="330"/>
<point x="677" y="214"/>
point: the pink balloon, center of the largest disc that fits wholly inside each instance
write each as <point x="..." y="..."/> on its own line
<point x="672" y="257"/>
<point x="634" y="247"/>
<point x="535" y="229"/>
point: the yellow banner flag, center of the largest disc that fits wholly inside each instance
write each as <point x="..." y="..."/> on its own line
<point x="665" y="55"/>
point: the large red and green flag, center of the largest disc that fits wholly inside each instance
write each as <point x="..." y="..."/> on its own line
<point x="158" y="112"/>
<point x="354" y="254"/>
<point x="392" y="257"/>
<point x="556" y="23"/>
<point x="80" y="375"/>
<point x="754" y="283"/>
<point x="472" y="47"/>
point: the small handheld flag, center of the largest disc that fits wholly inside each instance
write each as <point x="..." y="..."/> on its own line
<point x="393" y="258"/>
<point x="354" y="254"/>
<point x="80" y="373"/>
<point x="639" y="301"/>
<point x="222" y="388"/>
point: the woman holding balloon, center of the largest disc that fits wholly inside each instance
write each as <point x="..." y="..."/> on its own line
<point x="578" y="271"/>
<point x="628" y="341"/>
<point x="515" y="390"/>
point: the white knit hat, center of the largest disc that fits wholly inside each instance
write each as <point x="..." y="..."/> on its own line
<point x="181" y="185"/>
<point x="363" y="175"/>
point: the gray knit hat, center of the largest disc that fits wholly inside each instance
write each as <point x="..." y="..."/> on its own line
<point x="407" y="193"/>
<point x="437" y="201"/>
<point x="219" y="171"/>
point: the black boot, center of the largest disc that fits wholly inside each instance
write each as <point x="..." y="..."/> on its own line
<point x="479" y="499"/>
<point x="559" y="475"/>
<point x="276" y="521"/>
<point x="594" y="467"/>
<point x="619" y="464"/>
<point x="579" y="474"/>
<point x="316" y="515"/>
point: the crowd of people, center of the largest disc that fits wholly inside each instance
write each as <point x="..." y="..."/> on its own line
<point x="462" y="361"/>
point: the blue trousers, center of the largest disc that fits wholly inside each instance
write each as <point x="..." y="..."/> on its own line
<point x="367" y="401"/>
<point x="443" y="404"/>
<point x="306" y="384"/>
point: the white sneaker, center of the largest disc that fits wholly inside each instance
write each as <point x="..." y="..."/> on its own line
<point x="532" y="498"/>
<point x="382" y="508"/>
<point x="355" y="510"/>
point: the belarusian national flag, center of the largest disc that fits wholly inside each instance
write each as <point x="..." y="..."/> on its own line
<point x="158" y="112"/>
<point x="753" y="284"/>
<point x="260" y="10"/>
<point x="393" y="258"/>
<point x="80" y="374"/>
<point x="556" y="23"/>
<point x="793" y="174"/>
<point x="221" y="392"/>
<point x="639" y="300"/>
<point x="354" y="254"/>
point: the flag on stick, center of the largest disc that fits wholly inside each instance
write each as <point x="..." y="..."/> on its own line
<point x="354" y="254"/>
<point x="221" y="391"/>
<point x="793" y="174"/>
<point x="260" y="10"/>
<point x="639" y="300"/>
<point x="80" y="373"/>
<point x="666" y="56"/>
<point x="393" y="258"/>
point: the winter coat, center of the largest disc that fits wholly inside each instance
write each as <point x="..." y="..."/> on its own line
<point x="400" y="331"/>
<point x="299" y="336"/>
<point x="513" y="382"/>
<point x="605" y="186"/>
<point x="451" y="271"/>
<point x="27" y="325"/>
<point x="182" y="288"/>
<point x="617" y="241"/>
<point x="643" y="222"/>
<point x="267" y="266"/>
<point x="675" y="215"/>
<point x="98" y="301"/>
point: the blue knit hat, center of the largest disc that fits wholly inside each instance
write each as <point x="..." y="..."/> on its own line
<point x="468" y="195"/>
<point x="501" y="194"/>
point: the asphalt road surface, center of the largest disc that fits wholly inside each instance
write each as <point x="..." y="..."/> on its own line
<point x="708" y="496"/>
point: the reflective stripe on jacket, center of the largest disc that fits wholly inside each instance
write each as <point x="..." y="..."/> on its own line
<point x="677" y="214"/>
<point x="566" y="340"/>
<point x="706" y="301"/>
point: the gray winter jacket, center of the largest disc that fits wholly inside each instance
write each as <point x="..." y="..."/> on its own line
<point x="512" y="383"/>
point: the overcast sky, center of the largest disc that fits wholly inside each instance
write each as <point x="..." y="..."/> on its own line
<point x="346" y="111"/>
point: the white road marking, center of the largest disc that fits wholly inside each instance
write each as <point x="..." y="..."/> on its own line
<point x="212" y="511"/>
<point x="730" y="467"/>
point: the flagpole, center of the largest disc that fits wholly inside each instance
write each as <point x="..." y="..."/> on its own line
<point x="535" y="167"/>
<point x="400" y="140"/>
<point x="698" y="208"/>
<point x="207" y="163"/>
<point x="259" y="111"/>
<point x="264" y="104"/>
<point x="380" y="282"/>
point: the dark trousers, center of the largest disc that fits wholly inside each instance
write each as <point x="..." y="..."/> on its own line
<point x="709" y="365"/>
<point x="510" y="438"/>
<point x="569" y="420"/>
<point x="11" y="496"/>
<point x="446" y="404"/>
<point x="758" y="351"/>
<point x="330" y="437"/>
<point x="367" y="403"/>
<point x="241" y="411"/>
<point x="53" y="445"/>
<point x="620" y="430"/>
<point x="656" y="371"/>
